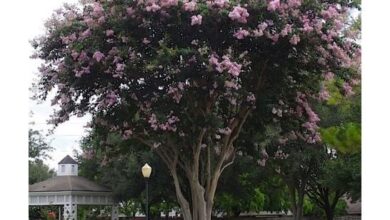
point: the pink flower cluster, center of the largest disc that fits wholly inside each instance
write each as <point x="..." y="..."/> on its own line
<point x="232" y="67"/>
<point x="273" y="5"/>
<point x="313" y="119"/>
<point x="169" y="125"/>
<point x="168" y="3"/>
<point x="347" y="89"/>
<point x="294" y="3"/>
<point x="98" y="56"/>
<point x="98" y="10"/>
<point x="176" y="91"/>
<point x="151" y="5"/>
<point x="109" y="99"/>
<point x="260" y="29"/>
<point x="217" y="3"/>
<point x="294" y="40"/>
<point x="329" y="13"/>
<point x="239" y="14"/>
<point x="241" y="34"/>
<point x="196" y="20"/>
<point x="323" y="95"/>
<point x="189" y="6"/>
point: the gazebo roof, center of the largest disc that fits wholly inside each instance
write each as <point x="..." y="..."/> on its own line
<point x="67" y="183"/>
<point x="67" y="160"/>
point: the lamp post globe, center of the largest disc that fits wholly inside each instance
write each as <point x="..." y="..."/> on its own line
<point x="146" y="170"/>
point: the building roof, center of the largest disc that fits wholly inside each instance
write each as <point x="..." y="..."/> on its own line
<point x="67" y="160"/>
<point x="67" y="183"/>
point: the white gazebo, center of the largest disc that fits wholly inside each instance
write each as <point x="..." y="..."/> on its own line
<point x="69" y="190"/>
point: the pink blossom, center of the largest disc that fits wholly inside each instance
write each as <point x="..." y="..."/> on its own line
<point x="98" y="56"/>
<point x="294" y="3"/>
<point x="127" y="133"/>
<point x="257" y="33"/>
<point x="323" y="94"/>
<point x="262" y="26"/>
<point x="251" y="98"/>
<point x="156" y="145"/>
<point x="348" y="89"/>
<point x="120" y="67"/>
<point x="196" y="20"/>
<point x="168" y="3"/>
<point x="239" y="14"/>
<point x="145" y="41"/>
<point x="225" y="131"/>
<point x="328" y="76"/>
<point x="330" y="12"/>
<point x="83" y="57"/>
<point x="153" y="7"/>
<point x="286" y="30"/>
<point x="307" y="28"/>
<point x="153" y="122"/>
<point x="97" y="10"/>
<point x="109" y="33"/>
<point x="189" y="6"/>
<point x="294" y="39"/>
<point x="221" y="3"/>
<point x="232" y="67"/>
<point x="230" y="84"/>
<point x="273" y="5"/>
<point x="241" y="34"/>
<point x="213" y="60"/>
<point x="101" y="20"/>
<point x="111" y="98"/>
<point x="89" y="22"/>
<point x="130" y="11"/>
<point x="85" y="34"/>
<point x="74" y="54"/>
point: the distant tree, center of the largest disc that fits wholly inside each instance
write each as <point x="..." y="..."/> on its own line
<point x="37" y="152"/>
<point x="243" y="188"/>
<point x="38" y="147"/>
<point x="38" y="171"/>
<point x="335" y="177"/>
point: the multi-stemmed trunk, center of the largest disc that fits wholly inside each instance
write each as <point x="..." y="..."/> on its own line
<point x="202" y="167"/>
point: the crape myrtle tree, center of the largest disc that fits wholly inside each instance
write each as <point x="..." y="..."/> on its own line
<point x="182" y="77"/>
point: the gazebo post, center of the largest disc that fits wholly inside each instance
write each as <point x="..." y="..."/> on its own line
<point x="70" y="211"/>
<point x="114" y="212"/>
<point x="59" y="212"/>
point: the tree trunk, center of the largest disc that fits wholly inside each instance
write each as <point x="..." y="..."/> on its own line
<point x="329" y="214"/>
<point x="297" y="205"/>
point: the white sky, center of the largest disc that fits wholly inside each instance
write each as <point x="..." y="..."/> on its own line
<point x="66" y="136"/>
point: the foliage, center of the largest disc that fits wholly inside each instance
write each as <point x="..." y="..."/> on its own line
<point x="38" y="171"/>
<point x="38" y="148"/>
<point x="184" y="77"/>
<point x="245" y="188"/>
<point x="122" y="173"/>
<point x="37" y="145"/>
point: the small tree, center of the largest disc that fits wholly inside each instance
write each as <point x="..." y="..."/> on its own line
<point x="182" y="77"/>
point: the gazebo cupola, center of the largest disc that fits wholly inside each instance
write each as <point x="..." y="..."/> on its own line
<point x="67" y="167"/>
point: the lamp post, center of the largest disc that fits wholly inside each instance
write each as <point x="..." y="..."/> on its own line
<point x="146" y="171"/>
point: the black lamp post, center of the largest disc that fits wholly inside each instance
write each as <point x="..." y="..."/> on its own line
<point x="146" y="171"/>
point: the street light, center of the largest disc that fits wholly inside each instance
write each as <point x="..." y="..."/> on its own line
<point x="146" y="171"/>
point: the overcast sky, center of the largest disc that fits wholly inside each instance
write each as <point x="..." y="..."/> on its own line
<point x="67" y="136"/>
